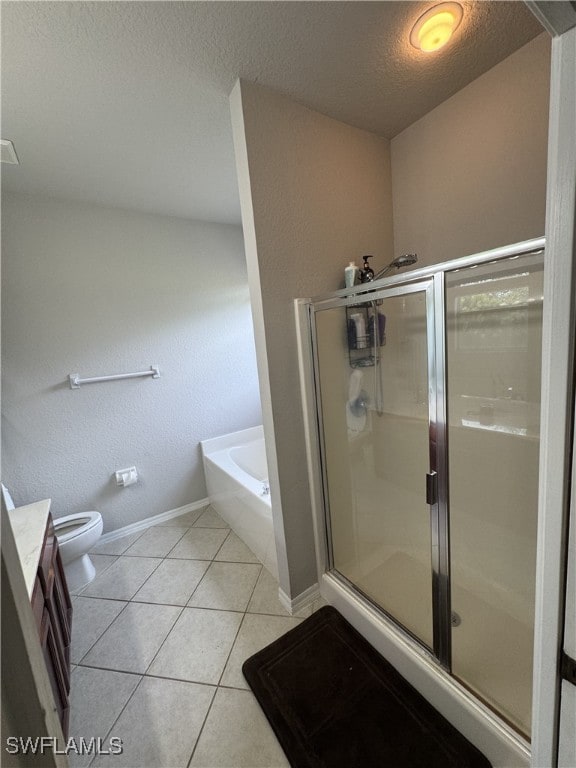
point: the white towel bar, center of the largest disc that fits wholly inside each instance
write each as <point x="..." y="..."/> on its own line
<point x="76" y="381"/>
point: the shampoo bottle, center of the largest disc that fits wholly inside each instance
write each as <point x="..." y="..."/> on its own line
<point x="350" y="273"/>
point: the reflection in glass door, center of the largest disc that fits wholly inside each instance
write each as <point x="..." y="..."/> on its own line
<point x="494" y="348"/>
<point x="375" y="375"/>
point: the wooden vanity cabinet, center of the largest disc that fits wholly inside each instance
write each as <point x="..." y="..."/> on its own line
<point x="53" y="613"/>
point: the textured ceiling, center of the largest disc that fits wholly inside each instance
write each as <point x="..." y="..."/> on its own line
<point x="126" y="103"/>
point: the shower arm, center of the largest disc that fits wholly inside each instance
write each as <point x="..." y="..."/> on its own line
<point x="384" y="271"/>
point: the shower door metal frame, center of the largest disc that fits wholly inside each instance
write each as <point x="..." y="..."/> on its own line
<point x="397" y="285"/>
<point x="433" y="288"/>
<point x="441" y="590"/>
<point x="412" y="659"/>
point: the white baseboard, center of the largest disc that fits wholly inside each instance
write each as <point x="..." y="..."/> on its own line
<point x="147" y="522"/>
<point x="301" y="601"/>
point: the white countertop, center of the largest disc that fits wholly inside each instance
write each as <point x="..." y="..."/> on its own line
<point x="29" y="528"/>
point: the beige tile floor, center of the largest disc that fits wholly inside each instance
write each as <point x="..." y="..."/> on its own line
<point x="158" y="641"/>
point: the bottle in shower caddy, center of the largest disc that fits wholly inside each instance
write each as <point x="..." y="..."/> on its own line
<point x="366" y="273"/>
<point x="360" y="330"/>
<point x="377" y="325"/>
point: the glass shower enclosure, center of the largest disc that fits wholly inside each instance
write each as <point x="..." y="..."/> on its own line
<point x="427" y="391"/>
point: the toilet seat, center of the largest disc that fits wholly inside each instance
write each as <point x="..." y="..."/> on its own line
<point x="82" y="522"/>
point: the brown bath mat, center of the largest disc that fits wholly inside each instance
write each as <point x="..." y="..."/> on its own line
<point x="334" y="702"/>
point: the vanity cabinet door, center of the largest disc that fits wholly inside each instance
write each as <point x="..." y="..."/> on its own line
<point x="57" y="674"/>
<point x="52" y="608"/>
<point x="61" y="597"/>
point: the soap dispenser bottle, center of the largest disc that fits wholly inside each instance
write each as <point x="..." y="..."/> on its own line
<point x="366" y="273"/>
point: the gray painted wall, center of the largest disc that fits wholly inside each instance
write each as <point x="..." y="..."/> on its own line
<point x="99" y="291"/>
<point x="471" y="174"/>
<point x="315" y="193"/>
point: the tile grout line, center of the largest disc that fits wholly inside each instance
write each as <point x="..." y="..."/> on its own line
<point x="187" y="528"/>
<point x="111" y="669"/>
<point x="197" y="585"/>
<point x="224" y="542"/>
<point x="145" y="557"/>
<point x="129" y="699"/>
<point x="151" y="602"/>
<point x="218" y="686"/>
<point x="162" y="556"/>
<point x="198" y="607"/>
<point x="192" y="528"/>
<point x="238" y="630"/>
<point x="212" y="608"/>
<point x="166" y="638"/>
<point x="202" y="728"/>
<point x="182" y="608"/>
<point x="140" y="674"/>
<point x="98" y="573"/>
<point x="116" y="617"/>
<point x="135" y="674"/>
<point x="144" y="530"/>
<point x="140" y="533"/>
<point x="79" y="663"/>
<point x="132" y="599"/>
<point x="163" y="677"/>
<point x="127" y="599"/>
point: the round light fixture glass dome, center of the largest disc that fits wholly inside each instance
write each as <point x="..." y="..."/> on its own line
<point x="435" y="27"/>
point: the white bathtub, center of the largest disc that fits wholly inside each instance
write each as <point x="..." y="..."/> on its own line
<point x="237" y="481"/>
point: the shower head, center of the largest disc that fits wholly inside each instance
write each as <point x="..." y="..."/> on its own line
<point x="405" y="260"/>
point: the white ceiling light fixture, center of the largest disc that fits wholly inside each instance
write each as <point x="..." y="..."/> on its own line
<point x="8" y="153"/>
<point x="435" y="27"/>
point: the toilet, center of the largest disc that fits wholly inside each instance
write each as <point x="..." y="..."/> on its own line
<point x="76" y="535"/>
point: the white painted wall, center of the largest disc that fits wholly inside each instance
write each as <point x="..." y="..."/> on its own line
<point x="557" y="439"/>
<point x="99" y="291"/>
<point x="315" y="193"/>
<point x="471" y="174"/>
<point x="567" y="746"/>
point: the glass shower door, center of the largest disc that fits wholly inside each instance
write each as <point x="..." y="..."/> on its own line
<point x="428" y="398"/>
<point x="494" y="348"/>
<point x="375" y="382"/>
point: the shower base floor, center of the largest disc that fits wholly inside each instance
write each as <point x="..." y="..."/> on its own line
<point x="491" y="650"/>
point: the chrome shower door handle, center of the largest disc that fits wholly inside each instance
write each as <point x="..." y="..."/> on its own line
<point x="431" y="488"/>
